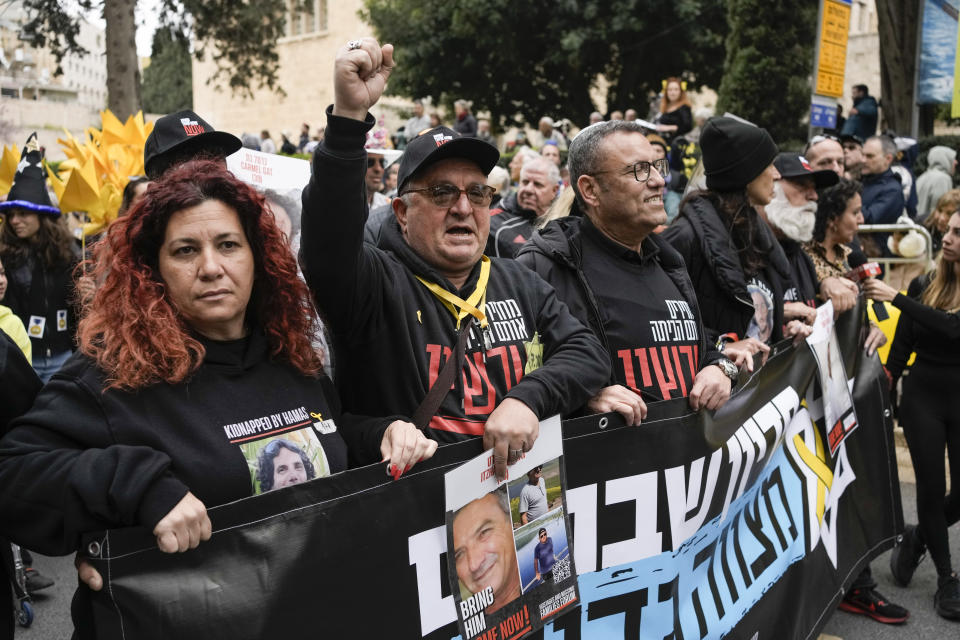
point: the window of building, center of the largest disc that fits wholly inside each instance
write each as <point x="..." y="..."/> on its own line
<point x="305" y="17"/>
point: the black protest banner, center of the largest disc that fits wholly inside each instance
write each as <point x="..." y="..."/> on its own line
<point x="691" y="526"/>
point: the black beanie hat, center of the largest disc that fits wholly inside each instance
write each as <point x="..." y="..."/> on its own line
<point x="29" y="190"/>
<point x="734" y="153"/>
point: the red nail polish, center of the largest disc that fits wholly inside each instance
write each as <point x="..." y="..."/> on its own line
<point x="409" y="466"/>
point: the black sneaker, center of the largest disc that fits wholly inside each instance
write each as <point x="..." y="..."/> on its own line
<point x="869" y="602"/>
<point x="36" y="581"/>
<point x="947" y="599"/>
<point x="907" y="556"/>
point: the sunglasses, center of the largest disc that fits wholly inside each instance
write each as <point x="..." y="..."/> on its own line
<point x="446" y="195"/>
<point x="820" y="138"/>
<point x="373" y="161"/>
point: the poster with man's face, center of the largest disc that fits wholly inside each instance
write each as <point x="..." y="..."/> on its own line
<point x="510" y="561"/>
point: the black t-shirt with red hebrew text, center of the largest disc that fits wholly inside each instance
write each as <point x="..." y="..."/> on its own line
<point x="652" y="333"/>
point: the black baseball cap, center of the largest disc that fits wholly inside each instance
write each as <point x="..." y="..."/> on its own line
<point x="794" y="165"/>
<point x="181" y="136"/>
<point x="442" y="143"/>
<point x="849" y="137"/>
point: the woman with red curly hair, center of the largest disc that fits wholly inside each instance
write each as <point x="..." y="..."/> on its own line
<point x="194" y="357"/>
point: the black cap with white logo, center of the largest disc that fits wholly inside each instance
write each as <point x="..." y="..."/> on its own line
<point x="442" y="143"/>
<point x="180" y="137"/>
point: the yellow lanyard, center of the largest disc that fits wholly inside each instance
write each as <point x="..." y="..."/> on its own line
<point x="459" y="307"/>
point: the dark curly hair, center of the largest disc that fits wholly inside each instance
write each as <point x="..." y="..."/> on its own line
<point x="831" y="204"/>
<point x="52" y="243"/>
<point x="265" y="467"/>
<point x="132" y="329"/>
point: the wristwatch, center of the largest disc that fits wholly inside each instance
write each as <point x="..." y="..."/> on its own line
<point x="729" y="368"/>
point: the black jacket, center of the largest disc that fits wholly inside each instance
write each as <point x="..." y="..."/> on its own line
<point x="554" y="253"/>
<point x="47" y="292"/>
<point x="806" y="286"/>
<point x="466" y="126"/>
<point x="933" y="334"/>
<point x="20" y="382"/>
<point x="391" y="333"/>
<point x="510" y="227"/>
<point x="702" y="239"/>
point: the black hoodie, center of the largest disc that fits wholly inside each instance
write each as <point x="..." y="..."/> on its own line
<point x="391" y="334"/>
<point x="555" y="252"/>
<point x="705" y="244"/>
<point x="85" y="458"/>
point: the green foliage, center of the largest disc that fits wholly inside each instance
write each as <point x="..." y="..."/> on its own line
<point x="523" y="60"/>
<point x="51" y="26"/>
<point x="769" y="62"/>
<point x="168" y="81"/>
<point x="239" y="35"/>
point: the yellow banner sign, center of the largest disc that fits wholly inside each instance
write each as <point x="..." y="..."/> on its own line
<point x="833" y="48"/>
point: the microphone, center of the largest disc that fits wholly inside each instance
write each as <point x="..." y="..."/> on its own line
<point x="861" y="271"/>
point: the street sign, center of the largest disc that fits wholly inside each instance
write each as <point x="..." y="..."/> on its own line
<point x="823" y="112"/>
<point x="832" y="59"/>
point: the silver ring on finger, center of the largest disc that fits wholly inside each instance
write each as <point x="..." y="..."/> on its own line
<point x="514" y="455"/>
<point x="354" y="44"/>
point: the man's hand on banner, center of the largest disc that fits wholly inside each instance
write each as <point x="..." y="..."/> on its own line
<point x="618" y="398"/>
<point x="184" y="527"/>
<point x="360" y="74"/>
<point x="799" y="311"/>
<point x="874" y="340"/>
<point x="742" y="351"/>
<point x="797" y="330"/>
<point x="841" y="291"/>
<point x="511" y="428"/>
<point x="711" y="389"/>
<point x="403" y="446"/>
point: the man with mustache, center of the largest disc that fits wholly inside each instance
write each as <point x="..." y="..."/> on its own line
<point x="628" y="284"/>
<point x="792" y="214"/>
<point x="426" y="294"/>
<point x="484" y="550"/>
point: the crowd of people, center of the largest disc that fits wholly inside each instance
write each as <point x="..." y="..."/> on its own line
<point x="462" y="299"/>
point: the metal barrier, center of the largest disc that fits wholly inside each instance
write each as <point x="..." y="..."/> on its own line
<point x="926" y="257"/>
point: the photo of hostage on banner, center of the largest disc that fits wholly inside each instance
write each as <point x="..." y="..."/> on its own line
<point x="838" y="413"/>
<point x="511" y="567"/>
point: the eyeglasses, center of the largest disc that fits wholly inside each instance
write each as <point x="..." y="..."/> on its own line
<point x="373" y="161"/>
<point x="446" y="195"/>
<point x="641" y="170"/>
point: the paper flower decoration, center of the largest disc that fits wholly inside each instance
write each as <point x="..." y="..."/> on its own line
<point x="93" y="176"/>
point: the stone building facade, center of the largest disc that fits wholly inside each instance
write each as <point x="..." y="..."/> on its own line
<point x="305" y="74"/>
